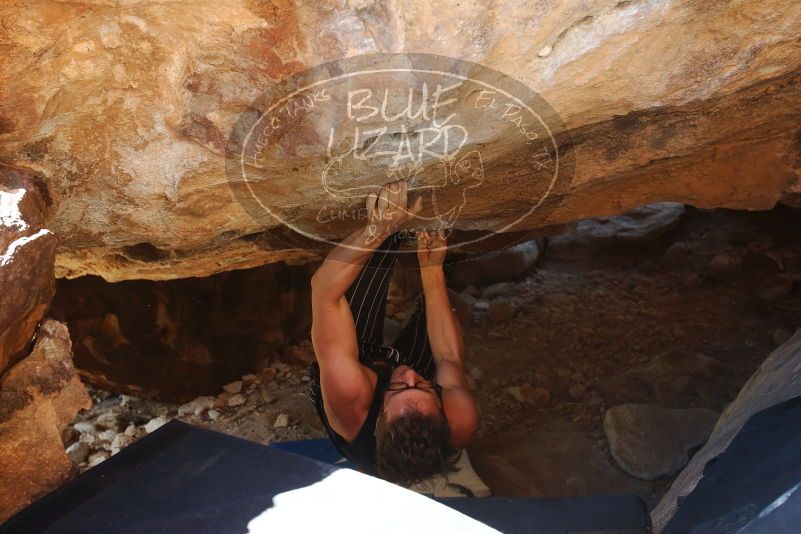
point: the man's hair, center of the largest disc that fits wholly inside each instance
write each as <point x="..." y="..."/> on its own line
<point x="413" y="447"/>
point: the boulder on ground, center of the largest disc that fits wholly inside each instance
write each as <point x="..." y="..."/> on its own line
<point x="723" y="268"/>
<point x="505" y="264"/>
<point x="639" y="225"/>
<point x="649" y="442"/>
<point x="557" y="460"/>
<point x="675" y="256"/>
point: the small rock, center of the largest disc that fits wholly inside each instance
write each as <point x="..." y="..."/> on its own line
<point x="84" y="427"/>
<point x="196" y="406"/>
<point x="723" y="268"/>
<point x="120" y="442"/>
<point x="268" y="374"/>
<point x="130" y="430"/>
<point x="501" y="310"/>
<point x="107" y="435"/>
<point x="527" y="394"/>
<point x="69" y="435"/>
<point x="98" y="457"/>
<point x="234" y="387"/>
<point x="268" y="398"/>
<point x="676" y="255"/>
<point x="577" y="391"/>
<point x="108" y="420"/>
<point x="155" y="423"/>
<point x="213" y="414"/>
<point x="236" y="400"/>
<point x="476" y="373"/>
<point x="78" y="452"/>
<point x="222" y="399"/>
<point x="282" y="421"/>
<point x="88" y="438"/>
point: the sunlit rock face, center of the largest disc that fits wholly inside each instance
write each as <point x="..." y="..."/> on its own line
<point x="27" y="252"/>
<point x="40" y="395"/>
<point x="125" y="109"/>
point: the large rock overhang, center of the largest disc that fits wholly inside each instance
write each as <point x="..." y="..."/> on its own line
<point x="126" y="115"/>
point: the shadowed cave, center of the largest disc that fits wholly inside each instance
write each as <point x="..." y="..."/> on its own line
<point x="675" y="310"/>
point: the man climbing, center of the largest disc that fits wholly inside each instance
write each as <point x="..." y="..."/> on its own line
<point x="399" y="411"/>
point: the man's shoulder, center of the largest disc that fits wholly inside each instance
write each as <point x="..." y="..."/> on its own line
<point x="347" y="396"/>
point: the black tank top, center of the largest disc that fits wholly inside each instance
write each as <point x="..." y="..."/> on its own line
<point x="361" y="450"/>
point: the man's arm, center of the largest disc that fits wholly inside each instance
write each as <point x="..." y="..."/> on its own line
<point x="447" y="343"/>
<point x="444" y="330"/>
<point x="345" y="385"/>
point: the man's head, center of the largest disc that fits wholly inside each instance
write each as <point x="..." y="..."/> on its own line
<point x="412" y="432"/>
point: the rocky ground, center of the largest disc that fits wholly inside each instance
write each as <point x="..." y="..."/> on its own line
<point x="674" y="309"/>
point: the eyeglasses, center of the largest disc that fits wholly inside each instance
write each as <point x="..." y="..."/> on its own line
<point x="425" y="385"/>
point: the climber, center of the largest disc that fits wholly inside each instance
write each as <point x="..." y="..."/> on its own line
<point x="400" y="411"/>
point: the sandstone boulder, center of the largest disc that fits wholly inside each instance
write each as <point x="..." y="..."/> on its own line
<point x="127" y="114"/>
<point x="39" y="396"/>
<point x="505" y="264"/>
<point x="27" y="254"/>
<point x="557" y="460"/>
<point x="639" y="225"/>
<point x="649" y="442"/>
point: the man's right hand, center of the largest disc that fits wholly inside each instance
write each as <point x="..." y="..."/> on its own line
<point x="387" y="210"/>
<point x="431" y="248"/>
